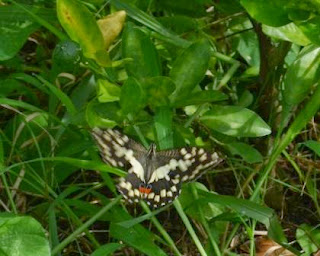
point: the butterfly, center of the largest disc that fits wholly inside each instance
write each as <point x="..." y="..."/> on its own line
<point x="153" y="176"/>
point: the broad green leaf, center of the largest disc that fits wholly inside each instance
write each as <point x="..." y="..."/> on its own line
<point x="132" y="98"/>
<point x="107" y="91"/>
<point x="150" y="22"/>
<point x="311" y="28"/>
<point x="82" y="27"/>
<point x="193" y="8"/>
<point x="111" y="27"/>
<point x="271" y="12"/>
<point x="247" y="152"/>
<point x="104" y="115"/>
<point x="313" y="145"/>
<point x="229" y="6"/>
<point x="139" y="238"/>
<point x="235" y="121"/>
<point x="187" y="200"/>
<point x="302" y="75"/>
<point x="289" y="32"/>
<point x="246" y="99"/>
<point x="200" y="97"/>
<point x="250" y="209"/>
<point x="16" y="26"/>
<point x="163" y="126"/>
<point x="157" y="90"/>
<point x="139" y="47"/>
<point x="309" y="238"/>
<point x="189" y="68"/>
<point x="22" y="236"/>
<point x="107" y="249"/>
<point x="248" y="45"/>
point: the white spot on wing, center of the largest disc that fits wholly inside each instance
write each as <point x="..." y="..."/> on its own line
<point x="182" y="165"/>
<point x="136" y="166"/>
<point x="174" y="189"/>
<point x="169" y="194"/>
<point x="203" y="157"/>
<point x="183" y="151"/>
<point x="187" y="156"/>
<point x="137" y="192"/>
<point x="157" y="198"/>
<point x="201" y="151"/>
<point x="184" y="178"/>
<point x="163" y="193"/>
<point x="131" y="194"/>
<point x="151" y="196"/>
<point x="175" y="181"/>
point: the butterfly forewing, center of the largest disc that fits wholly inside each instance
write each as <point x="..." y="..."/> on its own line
<point x="117" y="149"/>
<point x="185" y="164"/>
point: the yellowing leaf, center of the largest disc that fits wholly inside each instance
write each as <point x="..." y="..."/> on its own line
<point x="111" y="27"/>
<point x="82" y="27"/>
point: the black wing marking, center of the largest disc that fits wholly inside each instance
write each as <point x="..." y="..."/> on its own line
<point x="129" y="187"/>
<point x="117" y="149"/>
<point x="163" y="191"/>
<point x="184" y="164"/>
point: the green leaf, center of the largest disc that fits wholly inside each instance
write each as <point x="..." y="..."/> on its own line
<point x="187" y="199"/>
<point x="157" y="90"/>
<point x="15" y="28"/>
<point x="313" y="145"/>
<point x="311" y="29"/>
<point x="200" y="97"/>
<point x="309" y="238"/>
<point x="271" y="12"/>
<point x="193" y="8"/>
<point x="132" y="98"/>
<point x="82" y="27"/>
<point x="302" y="74"/>
<point x="289" y="32"/>
<point x="139" y="238"/>
<point x="250" y="209"/>
<point x="150" y="22"/>
<point x="107" y="249"/>
<point x="163" y="126"/>
<point x="139" y="47"/>
<point x="247" y="152"/>
<point x="235" y="121"/>
<point x="102" y="115"/>
<point x="107" y="91"/>
<point x="189" y="68"/>
<point x="22" y="236"/>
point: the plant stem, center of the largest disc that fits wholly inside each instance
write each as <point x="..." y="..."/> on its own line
<point x="189" y="227"/>
<point x="161" y="230"/>
<point x="88" y="223"/>
<point x="297" y="125"/>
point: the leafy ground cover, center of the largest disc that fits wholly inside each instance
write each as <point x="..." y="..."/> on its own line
<point x="237" y="76"/>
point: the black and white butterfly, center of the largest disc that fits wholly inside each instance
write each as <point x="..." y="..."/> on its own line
<point x="153" y="176"/>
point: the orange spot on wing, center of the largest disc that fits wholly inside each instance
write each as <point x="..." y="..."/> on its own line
<point x="142" y="190"/>
<point x="147" y="190"/>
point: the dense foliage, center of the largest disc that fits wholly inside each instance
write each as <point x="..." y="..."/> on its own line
<point x="237" y="76"/>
